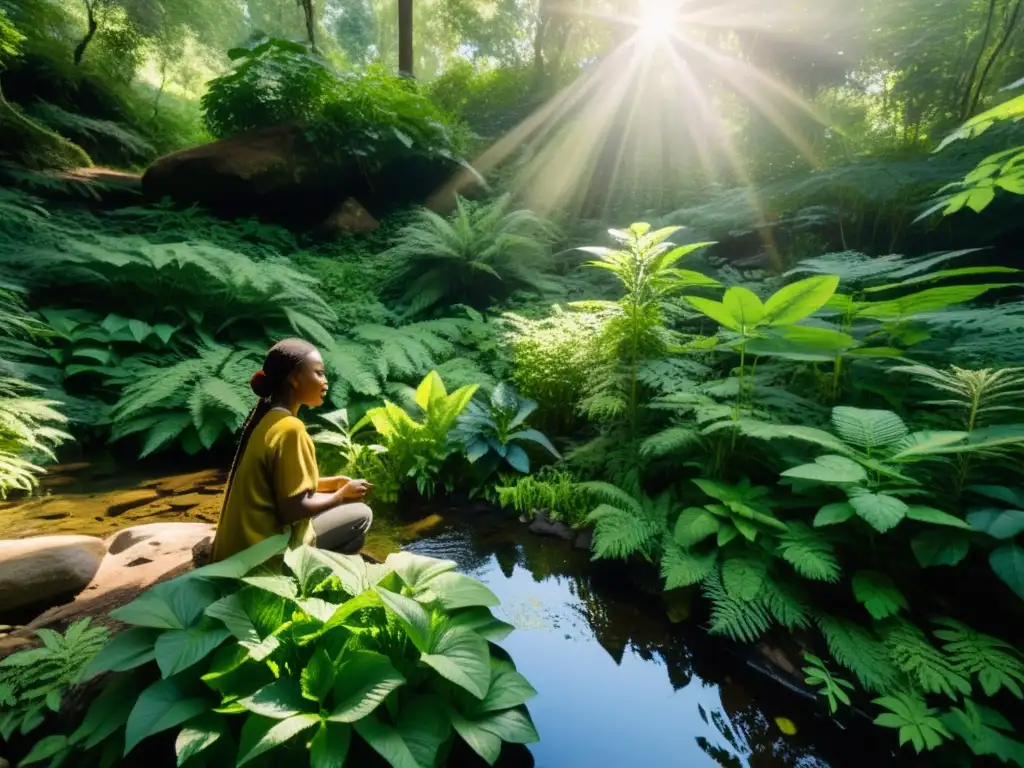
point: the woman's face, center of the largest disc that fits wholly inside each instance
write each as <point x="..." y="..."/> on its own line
<point x="309" y="381"/>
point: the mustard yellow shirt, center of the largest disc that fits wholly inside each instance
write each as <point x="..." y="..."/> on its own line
<point x="279" y="462"/>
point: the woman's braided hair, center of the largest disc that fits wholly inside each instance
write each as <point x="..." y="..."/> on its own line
<point x="282" y="360"/>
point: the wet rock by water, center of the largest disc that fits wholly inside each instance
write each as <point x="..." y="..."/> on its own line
<point x="47" y="569"/>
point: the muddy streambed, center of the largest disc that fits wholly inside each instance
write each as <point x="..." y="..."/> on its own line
<point x="624" y="679"/>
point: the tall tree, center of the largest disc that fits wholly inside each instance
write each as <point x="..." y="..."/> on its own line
<point x="405" y="52"/>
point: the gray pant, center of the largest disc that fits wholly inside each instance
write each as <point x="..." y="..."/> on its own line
<point x="342" y="528"/>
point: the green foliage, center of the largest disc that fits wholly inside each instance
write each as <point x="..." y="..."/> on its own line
<point x="833" y="688"/>
<point x="33" y="682"/>
<point x="917" y="722"/>
<point x="417" y="449"/>
<point x="996" y="663"/>
<point x="554" y="490"/>
<point x="494" y="432"/>
<point x="10" y="39"/>
<point x="625" y="526"/>
<point x="372" y="114"/>
<point x="481" y="253"/>
<point x="240" y="660"/>
<point x="273" y="81"/>
<point x="554" y="358"/>
<point x="738" y="619"/>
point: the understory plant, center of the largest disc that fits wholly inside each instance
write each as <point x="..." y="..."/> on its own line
<point x="483" y="252"/>
<point x="325" y="662"/>
<point x="553" y="490"/>
<point x="494" y="432"/>
<point x="33" y="683"/>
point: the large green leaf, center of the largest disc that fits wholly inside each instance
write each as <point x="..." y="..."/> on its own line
<point x="329" y="747"/>
<point x="998" y="523"/>
<point x="317" y="678"/>
<point x="461" y="657"/>
<point x="280" y="700"/>
<point x="829" y="469"/>
<point x="456" y="590"/>
<point x="261" y="734"/>
<point x="481" y="621"/>
<point x="716" y="311"/>
<point x="364" y="680"/>
<point x="197" y="735"/>
<point x="832" y="514"/>
<point x="924" y="514"/>
<point x="880" y="511"/>
<point x="482" y="741"/>
<point x="179" y="649"/>
<point x="410" y="614"/>
<point x="165" y="704"/>
<point x="109" y="711"/>
<point x="1008" y="564"/>
<point x="251" y="615"/>
<point x="126" y="650"/>
<point x="511" y="725"/>
<point x="241" y="563"/>
<point x="508" y="687"/>
<point x="424" y="726"/>
<point x="798" y="300"/>
<point x="176" y="604"/>
<point x="743" y="306"/>
<point x="939" y="547"/>
<point x="430" y="390"/>
<point x="387" y="742"/>
<point x="416" y="570"/>
<point x="868" y="429"/>
<point x="694" y="525"/>
<point x="878" y="594"/>
<point x="276" y="584"/>
<point x="310" y="569"/>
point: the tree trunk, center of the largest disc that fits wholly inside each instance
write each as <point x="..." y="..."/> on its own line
<point x="405" y="52"/>
<point x="80" y="48"/>
<point x="33" y="145"/>
<point x="965" y="100"/>
<point x="1010" y="25"/>
<point x="307" y="10"/>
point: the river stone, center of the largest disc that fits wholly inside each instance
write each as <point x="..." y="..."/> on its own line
<point x="167" y="534"/>
<point x="47" y="570"/>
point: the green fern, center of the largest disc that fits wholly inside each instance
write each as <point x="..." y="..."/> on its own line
<point x="859" y="651"/>
<point x="32" y="682"/>
<point x="930" y="669"/>
<point x="410" y="351"/>
<point x="744" y="575"/>
<point x="878" y="594"/>
<point x="917" y="722"/>
<point x="683" y="567"/>
<point x="809" y="552"/>
<point x="787" y="603"/>
<point x="996" y="663"/>
<point x="740" y="620"/>
<point x="480" y="253"/>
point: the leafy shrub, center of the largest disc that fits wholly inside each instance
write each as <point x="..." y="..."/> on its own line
<point x="481" y="253"/>
<point x="33" y="682"/>
<point x="417" y="449"/>
<point x="373" y="114"/>
<point x="273" y="81"/>
<point x="554" y="359"/>
<point x="494" y="432"/>
<point x="321" y="662"/>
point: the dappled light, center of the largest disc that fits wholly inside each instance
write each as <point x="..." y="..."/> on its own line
<point x="436" y="383"/>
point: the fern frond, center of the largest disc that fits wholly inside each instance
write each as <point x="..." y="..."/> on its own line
<point x="669" y="441"/>
<point x="682" y="567"/>
<point x="787" y="603"/>
<point x="620" y="533"/>
<point x="740" y="620"/>
<point x="868" y="429"/>
<point x="744" y="575"/>
<point x="930" y="669"/>
<point x="809" y="552"/>
<point x="996" y="663"/>
<point x="611" y="494"/>
<point x="859" y="651"/>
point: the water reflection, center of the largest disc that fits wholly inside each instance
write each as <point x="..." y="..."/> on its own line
<point x="619" y="684"/>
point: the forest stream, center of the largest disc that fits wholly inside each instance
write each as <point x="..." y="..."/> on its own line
<point x="623" y="678"/>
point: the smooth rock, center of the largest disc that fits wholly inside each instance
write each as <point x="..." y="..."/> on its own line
<point x="47" y="569"/>
<point x="165" y="533"/>
<point x="350" y="218"/>
<point x="542" y="525"/>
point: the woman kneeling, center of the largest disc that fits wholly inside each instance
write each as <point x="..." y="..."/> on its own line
<point x="274" y="481"/>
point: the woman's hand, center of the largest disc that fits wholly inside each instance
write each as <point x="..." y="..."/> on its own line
<point x="356" y="489"/>
<point x="332" y="484"/>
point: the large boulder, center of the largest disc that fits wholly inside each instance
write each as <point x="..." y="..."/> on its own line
<point x="47" y="570"/>
<point x="278" y="175"/>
